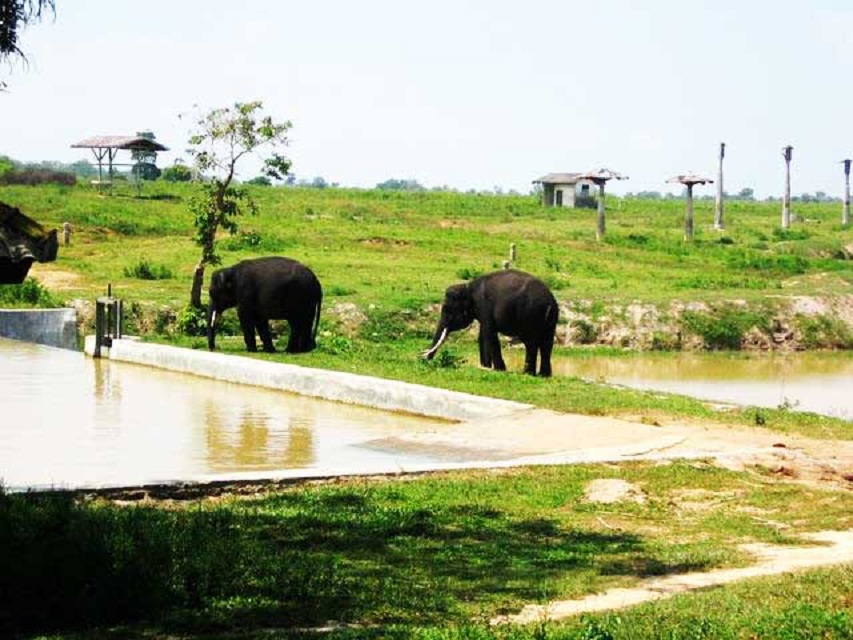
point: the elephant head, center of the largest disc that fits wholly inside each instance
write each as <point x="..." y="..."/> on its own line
<point x="457" y="312"/>
<point x="223" y="295"/>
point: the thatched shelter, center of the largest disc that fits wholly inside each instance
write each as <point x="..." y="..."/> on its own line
<point x="106" y="148"/>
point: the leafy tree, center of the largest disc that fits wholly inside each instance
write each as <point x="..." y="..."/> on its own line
<point x="15" y="14"/>
<point x="396" y="184"/>
<point x="261" y="181"/>
<point x="222" y="137"/>
<point x="177" y="173"/>
<point x="747" y="193"/>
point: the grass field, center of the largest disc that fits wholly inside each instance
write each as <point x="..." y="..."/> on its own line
<point x="432" y="557"/>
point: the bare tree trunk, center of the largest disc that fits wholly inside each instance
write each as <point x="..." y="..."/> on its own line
<point x="845" y="212"/>
<point x="720" y="207"/>
<point x="599" y="231"/>
<point x="688" y="216"/>
<point x="198" y="283"/>
<point x="786" y="200"/>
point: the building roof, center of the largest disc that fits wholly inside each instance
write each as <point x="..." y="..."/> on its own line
<point x="558" y="178"/>
<point x="119" y="142"/>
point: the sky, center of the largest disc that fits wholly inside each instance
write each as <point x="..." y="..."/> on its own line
<point x="468" y="94"/>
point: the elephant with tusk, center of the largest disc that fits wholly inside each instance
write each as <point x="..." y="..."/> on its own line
<point x="509" y="302"/>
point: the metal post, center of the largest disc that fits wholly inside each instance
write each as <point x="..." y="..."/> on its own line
<point x="599" y="231"/>
<point x="786" y="200"/>
<point x="719" y="210"/>
<point x="845" y="211"/>
<point x="66" y="233"/>
<point x="688" y="217"/>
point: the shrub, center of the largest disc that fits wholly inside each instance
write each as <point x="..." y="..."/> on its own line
<point x="177" y="173"/>
<point x="824" y="332"/>
<point x="37" y="176"/>
<point x="585" y="331"/>
<point x="27" y="294"/>
<point x="145" y="270"/>
<point x="467" y="273"/>
<point x="145" y="171"/>
<point x="192" y="321"/>
<point x="725" y="328"/>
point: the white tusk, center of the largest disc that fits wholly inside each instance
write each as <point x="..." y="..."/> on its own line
<point x="435" y="347"/>
<point x="213" y="318"/>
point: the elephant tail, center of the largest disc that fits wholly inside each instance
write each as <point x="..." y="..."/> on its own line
<point x="317" y="317"/>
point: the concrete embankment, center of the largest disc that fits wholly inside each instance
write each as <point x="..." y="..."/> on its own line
<point x="390" y="395"/>
<point x="53" y="327"/>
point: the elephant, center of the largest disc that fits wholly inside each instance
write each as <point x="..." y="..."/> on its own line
<point x="510" y="302"/>
<point x="264" y="289"/>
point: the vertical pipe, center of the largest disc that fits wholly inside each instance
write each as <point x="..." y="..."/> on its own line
<point x="599" y="231"/>
<point x="688" y="216"/>
<point x="719" y="210"/>
<point x="99" y="327"/>
<point x="786" y="200"/>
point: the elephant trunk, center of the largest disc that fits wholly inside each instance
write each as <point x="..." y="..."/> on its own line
<point x="438" y="340"/>
<point x="211" y="327"/>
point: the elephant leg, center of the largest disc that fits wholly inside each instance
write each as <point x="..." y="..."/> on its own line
<point x="300" y="336"/>
<point x="545" y="355"/>
<point x="485" y="350"/>
<point x="266" y="335"/>
<point x="247" y="324"/>
<point x="530" y="351"/>
<point x="493" y="344"/>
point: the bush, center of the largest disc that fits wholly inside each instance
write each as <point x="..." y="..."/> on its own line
<point x="824" y="332"/>
<point x="192" y="321"/>
<point x="27" y="294"/>
<point x="585" y="332"/>
<point x="467" y="273"/>
<point x="33" y="177"/>
<point x="725" y="328"/>
<point x="144" y="270"/>
<point x="177" y="173"/>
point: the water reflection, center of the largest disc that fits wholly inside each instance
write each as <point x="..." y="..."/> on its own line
<point x="68" y="420"/>
<point x="818" y="382"/>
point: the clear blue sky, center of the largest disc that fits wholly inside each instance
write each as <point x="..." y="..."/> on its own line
<point x="460" y="93"/>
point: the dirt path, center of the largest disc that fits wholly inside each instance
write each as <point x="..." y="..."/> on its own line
<point x="837" y="548"/>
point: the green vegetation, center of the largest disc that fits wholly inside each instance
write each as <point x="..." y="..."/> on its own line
<point x="26" y="295"/>
<point x="425" y="556"/>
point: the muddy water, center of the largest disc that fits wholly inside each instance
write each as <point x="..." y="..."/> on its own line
<point x="68" y="420"/>
<point x="817" y="382"/>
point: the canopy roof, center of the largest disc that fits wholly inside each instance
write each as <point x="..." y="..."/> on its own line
<point x="558" y="178"/>
<point x="601" y="175"/>
<point x="119" y="142"/>
<point x="691" y="178"/>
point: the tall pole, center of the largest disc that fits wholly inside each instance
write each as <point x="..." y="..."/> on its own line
<point x="599" y="231"/>
<point x="786" y="200"/>
<point x="719" y="210"/>
<point x="845" y="212"/>
<point x="688" y="217"/>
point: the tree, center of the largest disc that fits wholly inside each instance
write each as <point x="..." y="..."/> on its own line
<point x="222" y="137"/>
<point x="747" y="193"/>
<point x="177" y="173"/>
<point x="15" y="14"/>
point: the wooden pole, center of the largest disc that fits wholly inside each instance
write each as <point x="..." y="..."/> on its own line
<point x="599" y="231"/>
<point x="688" y="216"/>
<point x="786" y="200"/>
<point x="845" y="211"/>
<point x="719" y="210"/>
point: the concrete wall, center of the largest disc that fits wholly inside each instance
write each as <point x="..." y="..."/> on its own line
<point x="390" y="395"/>
<point x="53" y="327"/>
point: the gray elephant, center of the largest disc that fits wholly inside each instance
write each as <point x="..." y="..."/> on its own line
<point x="265" y="289"/>
<point x="510" y="302"/>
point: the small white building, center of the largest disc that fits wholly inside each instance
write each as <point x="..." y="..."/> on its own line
<point x="566" y="190"/>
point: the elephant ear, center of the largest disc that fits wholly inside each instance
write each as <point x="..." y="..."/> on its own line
<point x="457" y="295"/>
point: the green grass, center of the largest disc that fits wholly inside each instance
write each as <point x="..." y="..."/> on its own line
<point x="439" y="551"/>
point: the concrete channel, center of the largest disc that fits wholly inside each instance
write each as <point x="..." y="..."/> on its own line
<point x="51" y="327"/>
<point x="388" y="395"/>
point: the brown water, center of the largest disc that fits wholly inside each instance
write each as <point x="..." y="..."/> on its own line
<point x="69" y="420"/>
<point x="817" y="382"/>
